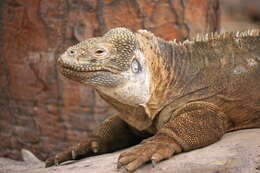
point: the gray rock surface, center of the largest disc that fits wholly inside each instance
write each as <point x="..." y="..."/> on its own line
<point x="236" y="152"/>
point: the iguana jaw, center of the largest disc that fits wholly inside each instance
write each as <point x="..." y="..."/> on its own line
<point x="88" y="73"/>
<point x="135" y="90"/>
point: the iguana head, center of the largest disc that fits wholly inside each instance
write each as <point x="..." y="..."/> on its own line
<point x="113" y="64"/>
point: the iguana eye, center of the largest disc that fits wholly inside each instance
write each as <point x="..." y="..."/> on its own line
<point x="100" y="51"/>
<point x="136" y="66"/>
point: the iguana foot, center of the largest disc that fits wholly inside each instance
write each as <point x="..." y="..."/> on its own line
<point x="153" y="149"/>
<point x="83" y="149"/>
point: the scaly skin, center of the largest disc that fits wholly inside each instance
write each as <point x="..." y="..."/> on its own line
<point x="171" y="97"/>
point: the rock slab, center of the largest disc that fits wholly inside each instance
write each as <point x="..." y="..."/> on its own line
<point x="236" y="152"/>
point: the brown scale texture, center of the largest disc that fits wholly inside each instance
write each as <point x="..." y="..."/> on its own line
<point x="112" y="134"/>
<point x="40" y="111"/>
<point x="206" y="125"/>
<point x="115" y="133"/>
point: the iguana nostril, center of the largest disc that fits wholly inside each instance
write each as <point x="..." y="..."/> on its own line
<point x="72" y="52"/>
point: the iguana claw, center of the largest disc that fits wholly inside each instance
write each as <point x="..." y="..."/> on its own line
<point x="154" y="163"/>
<point x="73" y="154"/>
<point x="56" y="162"/>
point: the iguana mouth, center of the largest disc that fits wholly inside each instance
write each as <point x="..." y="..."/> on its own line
<point x="79" y="72"/>
<point x="82" y="68"/>
<point x="79" y="68"/>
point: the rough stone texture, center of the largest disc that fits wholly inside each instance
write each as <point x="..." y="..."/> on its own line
<point x="236" y="152"/>
<point x="43" y="113"/>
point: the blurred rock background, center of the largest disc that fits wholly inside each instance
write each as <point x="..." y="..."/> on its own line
<point x="239" y="14"/>
<point x="43" y="112"/>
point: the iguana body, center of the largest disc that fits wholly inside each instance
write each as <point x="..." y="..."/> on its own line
<point x="175" y="96"/>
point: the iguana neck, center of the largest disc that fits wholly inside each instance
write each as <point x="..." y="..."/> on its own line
<point x="175" y="67"/>
<point x="167" y="65"/>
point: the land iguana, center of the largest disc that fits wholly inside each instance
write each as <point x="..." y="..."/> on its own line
<point x="170" y="96"/>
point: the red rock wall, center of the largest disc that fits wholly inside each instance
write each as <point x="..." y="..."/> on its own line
<point x="239" y="14"/>
<point x="39" y="110"/>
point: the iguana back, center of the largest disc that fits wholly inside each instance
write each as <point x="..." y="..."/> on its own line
<point x="221" y="69"/>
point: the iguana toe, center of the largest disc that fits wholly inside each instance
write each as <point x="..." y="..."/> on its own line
<point x="95" y="146"/>
<point x="154" y="163"/>
<point x="142" y="153"/>
<point x="73" y="154"/>
<point x="49" y="162"/>
<point x="56" y="161"/>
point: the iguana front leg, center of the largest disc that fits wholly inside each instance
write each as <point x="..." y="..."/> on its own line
<point x="194" y="125"/>
<point x="112" y="134"/>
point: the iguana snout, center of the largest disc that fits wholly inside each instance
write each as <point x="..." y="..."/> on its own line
<point x="88" y="64"/>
